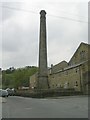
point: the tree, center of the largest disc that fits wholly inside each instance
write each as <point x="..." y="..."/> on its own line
<point x="18" y="77"/>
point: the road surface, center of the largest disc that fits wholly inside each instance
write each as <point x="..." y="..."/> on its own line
<point x="68" y="107"/>
<point x="0" y="108"/>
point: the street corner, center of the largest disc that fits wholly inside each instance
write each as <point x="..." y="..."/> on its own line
<point x="3" y="100"/>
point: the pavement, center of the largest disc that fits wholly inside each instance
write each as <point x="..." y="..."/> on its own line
<point x="66" y="107"/>
<point x="66" y="97"/>
<point x="2" y="100"/>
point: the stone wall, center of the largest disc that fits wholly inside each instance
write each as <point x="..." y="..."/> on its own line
<point x="80" y="55"/>
<point x="72" y="75"/>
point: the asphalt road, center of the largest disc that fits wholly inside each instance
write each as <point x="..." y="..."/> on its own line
<point x="68" y="107"/>
<point x="0" y="108"/>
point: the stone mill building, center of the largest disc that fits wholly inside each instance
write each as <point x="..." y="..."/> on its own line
<point x="74" y="74"/>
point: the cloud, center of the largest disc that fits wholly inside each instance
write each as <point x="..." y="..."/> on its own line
<point x="7" y="12"/>
<point x="64" y="36"/>
<point x="21" y="32"/>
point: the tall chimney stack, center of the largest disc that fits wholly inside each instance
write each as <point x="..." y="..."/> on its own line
<point x="43" y="71"/>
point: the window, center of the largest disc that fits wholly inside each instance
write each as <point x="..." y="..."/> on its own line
<point x="76" y="70"/>
<point x="66" y="72"/>
<point x="82" y="55"/>
<point x="56" y="84"/>
<point x="76" y="83"/>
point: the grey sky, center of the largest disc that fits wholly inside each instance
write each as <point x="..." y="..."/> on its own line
<point x="20" y="31"/>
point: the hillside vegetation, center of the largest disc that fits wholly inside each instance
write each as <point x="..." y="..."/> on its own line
<point x="17" y="77"/>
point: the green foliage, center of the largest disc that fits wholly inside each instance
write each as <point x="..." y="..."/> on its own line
<point x="17" y="77"/>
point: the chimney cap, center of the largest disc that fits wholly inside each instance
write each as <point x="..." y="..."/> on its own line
<point x="42" y="12"/>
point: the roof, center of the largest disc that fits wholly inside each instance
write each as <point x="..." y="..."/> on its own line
<point x="70" y="67"/>
<point x="60" y="63"/>
<point x="82" y="43"/>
